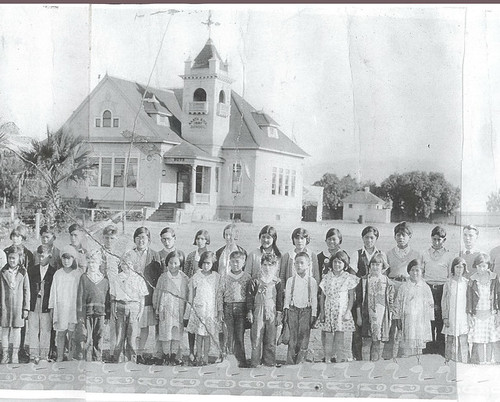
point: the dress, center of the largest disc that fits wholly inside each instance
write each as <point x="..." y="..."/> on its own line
<point x="206" y="304"/>
<point x="415" y="308"/>
<point x="63" y="296"/>
<point x="454" y="307"/>
<point x="380" y="295"/>
<point x="483" y="328"/>
<point x="336" y="290"/>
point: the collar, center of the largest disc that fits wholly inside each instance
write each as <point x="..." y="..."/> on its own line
<point x="365" y="252"/>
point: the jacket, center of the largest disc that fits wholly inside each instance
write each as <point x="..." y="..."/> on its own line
<point x="473" y="294"/>
<point x="36" y="282"/>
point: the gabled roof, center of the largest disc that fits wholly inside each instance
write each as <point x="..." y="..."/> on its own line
<point x="263" y="119"/>
<point x="363" y="197"/>
<point x="153" y="106"/>
<point x="208" y="52"/>
<point x="188" y="151"/>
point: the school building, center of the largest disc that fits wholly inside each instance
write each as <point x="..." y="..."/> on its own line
<point x="200" y="152"/>
<point x="364" y="206"/>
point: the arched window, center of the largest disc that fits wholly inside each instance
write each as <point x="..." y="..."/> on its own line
<point x="222" y="97"/>
<point x="200" y="95"/>
<point x="106" y="118"/>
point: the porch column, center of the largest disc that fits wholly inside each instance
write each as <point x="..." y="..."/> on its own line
<point x="193" y="184"/>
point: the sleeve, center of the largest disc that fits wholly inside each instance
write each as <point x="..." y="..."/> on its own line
<point x="188" y="265"/>
<point x="279" y="296"/>
<point x="314" y="297"/>
<point x="469" y="297"/>
<point x="107" y="303"/>
<point x="143" y="289"/>
<point x="352" y="282"/>
<point x="156" y="293"/>
<point x="215" y="266"/>
<point x="315" y="267"/>
<point x="391" y="293"/>
<point x="398" y="303"/>
<point x="284" y="268"/>
<point x="354" y="261"/>
<point x="80" y="298"/>
<point x="288" y="294"/>
<point x="445" y="301"/>
<point x="26" y="292"/>
<point x="219" y="294"/>
<point x="251" y="291"/>
<point x="429" y="302"/>
<point x="358" y="300"/>
<point x="251" y="265"/>
<point x="53" y="292"/>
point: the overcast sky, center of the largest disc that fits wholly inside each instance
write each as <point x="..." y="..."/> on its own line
<point x="364" y="90"/>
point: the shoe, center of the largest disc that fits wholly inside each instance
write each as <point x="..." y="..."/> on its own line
<point x="158" y="361"/>
<point x="15" y="358"/>
<point x="333" y="360"/>
<point x="140" y="359"/>
<point x="191" y="360"/>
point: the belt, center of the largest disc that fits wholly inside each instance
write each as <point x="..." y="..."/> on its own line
<point x="436" y="286"/>
<point x="123" y="302"/>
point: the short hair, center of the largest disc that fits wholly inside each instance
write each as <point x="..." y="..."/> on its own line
<point x="471" y="227"/>
<point x="110" y="230"/>
<point x="47" y="229"/>
<point x="231" y="227"/>
<point x="339" y="255"/>
<point x="269" y="258"/>
<point x="206" y="255"/>
<point x="168" y="229"/>
<point x="303" y="254"/>
<point x="91" y="253"/>
<point x="413" y="263"/>
<point x="377" y="258"/>
<point x="271" y="231"/>
<point x="73" y="227"/>
<point x="202" y="232"/>
<point x="370" y="229"/>
<point x="439" y="231"/>
<point x="19" y="231"/>
<point x="403" y="227"/>
<point x="174" y="254"/>
<point x="237" y="254"/>
<point x="14" y="249"/>
<point x="458" y="261"/>
<point x="140" y="230"/>
<point x="301" y="232"/>
<point x="334" y="231"/>
<point x="482" y="257"/>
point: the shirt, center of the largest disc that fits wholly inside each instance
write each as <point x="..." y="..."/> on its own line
<point x="354" y="261"/>
<point x="305" y="293"/>
<point x="43" y="271"/>
<point x="128" y="287"/>
<point x="437" y="265"/>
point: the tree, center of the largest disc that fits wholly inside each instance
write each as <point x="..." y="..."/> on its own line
<point x="336" y="189"/>
<point x="57" y="160"/>
<point x="493" y="203"/>
<point x="11" y="169"/>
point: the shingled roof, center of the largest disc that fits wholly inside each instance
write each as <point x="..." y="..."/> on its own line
<point x="362" y="197"/>
<point x="208" y="52"/>
<point x="188" y="151"/>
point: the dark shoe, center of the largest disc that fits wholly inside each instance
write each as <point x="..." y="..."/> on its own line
<point x="174" y="361"/>
<point x="333" y="360"/>
<point x="140" y="359"/>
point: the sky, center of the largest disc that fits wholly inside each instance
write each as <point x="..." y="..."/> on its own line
<point x="364" y="90"/>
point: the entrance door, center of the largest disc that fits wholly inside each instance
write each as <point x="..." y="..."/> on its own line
<point x="183" y="185"/>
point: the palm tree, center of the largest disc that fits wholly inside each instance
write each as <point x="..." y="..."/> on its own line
<point x="57" y="160"/>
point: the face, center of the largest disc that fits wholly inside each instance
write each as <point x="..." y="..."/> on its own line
<point x="141" y="241"/>
<point x="109" y="240"/>
<point x="13" y="260"/>
<point x="168" y="240"/>
<point x="207" y="264"/>
<point x="75" y="238"/>
<point x="67" y="260"/>
<point x="174" y="265"/>
<point x="94" y="263"/>
<point x="369" y="240"/>
<point x="229" y="236"/>
<point x="376" y="268"/>
<point x="266" y="241"/>
<point x="483" y="267"/>
<point x="333" y="242"/>
<point x="470" y="237"/>
<point x="402" y="239"/>
<point x="337" y="266"/>
<point x="300" y="242"/>
<point x="44" y="258"/>
<point x="236" y="264"/>
<point x="415" y="273"/>
<point x="267" y="268"/>
<point x="17" y="240"/>
<point x="301" y="265"/>
<point x="438" y="242"/>
<point x="201" y="241"/>
<point x="47" y="239"/>
<point x="459" y="270"/>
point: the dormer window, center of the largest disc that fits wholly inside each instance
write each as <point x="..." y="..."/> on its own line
<point x="106" y="118"/>
<point x="272" y="132"/>
<point x="162" y="120"/>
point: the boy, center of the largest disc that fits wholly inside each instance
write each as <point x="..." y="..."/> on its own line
<point x="93" y="304"/>
<point x="76" y="236"/>
<point x="128" y="290"/>
<point x="436" y="262"/>
<point x="167" y="237"/>
<point x="300" y="308"/>
<point x="40" y="325"/>
<point x="234" y="287"/>
<point x="470" y="235"/>
<point x="265" y="305"/>
<point x="47" y="238"/>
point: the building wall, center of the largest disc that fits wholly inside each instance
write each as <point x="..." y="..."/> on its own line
<point x="368" y="211"/>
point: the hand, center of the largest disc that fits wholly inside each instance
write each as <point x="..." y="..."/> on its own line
<point x="106" y="321"/>
<point x="470" y="320"/>
<point x="359" y="321"/>
<point x="250" y="317"/>
<point x="279" y="318"/>
<point x="185" y="323"/>
<point x="25" y="314"/>
<point x="347" y="316"/>
<point x="322" y="316"/>
<point x="399" y="323"/>
<point x="313" y="321"/>
<point x="285" y="316"/>
<point x="446" y="322"/>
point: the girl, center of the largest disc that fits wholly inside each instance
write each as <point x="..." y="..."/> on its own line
<point x="414" y="311"/>
<point x="167" y="237"/>
<point x="150" y="269"/>
<point x="230" y="235"/>
<point x="300" y="240"/>
<point x="205" y="298"/>
<point x="62" y="301"/>
<point x="333" y="240"/>
<point x="483" y="304"/>
<point x="15" y="296"/>
<point x="374" y="306"/>
<point x="169" y="302"/>
<point x="336" y="302"/>
<point x="268" y="238"/>
<point x="454" y="312"/>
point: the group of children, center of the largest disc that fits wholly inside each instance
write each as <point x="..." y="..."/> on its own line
<point x="377" y="304"/>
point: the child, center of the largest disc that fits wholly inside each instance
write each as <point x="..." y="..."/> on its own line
<point x="483" y="306"/>
<point x="47" y="238"/>
<point x="454" y="311"/>
<point x="414" y="311"/>
<point x="374" y="306"/>
<point x="268" y="238"/>
<point x="62" y="301"/>
<point x="169" y="302"/>
<point x="127" y="290"/>
<point x="201" y="240"/>
<point x="40" y="326"/>
<point x="76" y="235"/>
<point x="333" y="240"/>
<point x="167" y="237"/>
<point x="265" y="305"/>
<point x="234" y="287"/>
<point x="206" y="306"/>
<point x="470" y="234"/>
<point x="300" y="239"/>
<point x="230" y="235"/>
<point x="93" y="304"/>
<point x="15" y="301"/>
<point x="300" y="308"/>
<point x="337" y="300"/>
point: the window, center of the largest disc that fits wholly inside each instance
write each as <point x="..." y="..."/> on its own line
<point x="350" y="205"/>
<point x="116" y="122"/>
<point x="132" y="173"/>
<point x="106" y="168"/>
<point x="273" y="182"/>
<point x="287" y="182"/>
<point x="222" y="97"/>
<point x="217" y="179"/>
<point x="293" y="184"/>
<point x="236" y="216"/>
<point x="119" y="172"/>
<point x="272" y="132"/>
<point x="98" y="122"/>
<point x="202" y="180"/>
<point x="200" y="95"/>
<point x="236" y="179"/>
<point x="283" y="182"/>
<point x="106" y="118"/>
<point x="280" y="182"/>
<point x="93" y="173"/>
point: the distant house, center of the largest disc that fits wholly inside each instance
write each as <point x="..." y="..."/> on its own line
<point x="312" y="203"/>
<point x="200" y="152"/>
<point x="363" y="206"/>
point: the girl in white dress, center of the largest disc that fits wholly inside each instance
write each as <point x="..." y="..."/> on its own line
<point x="453" y="307"/>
